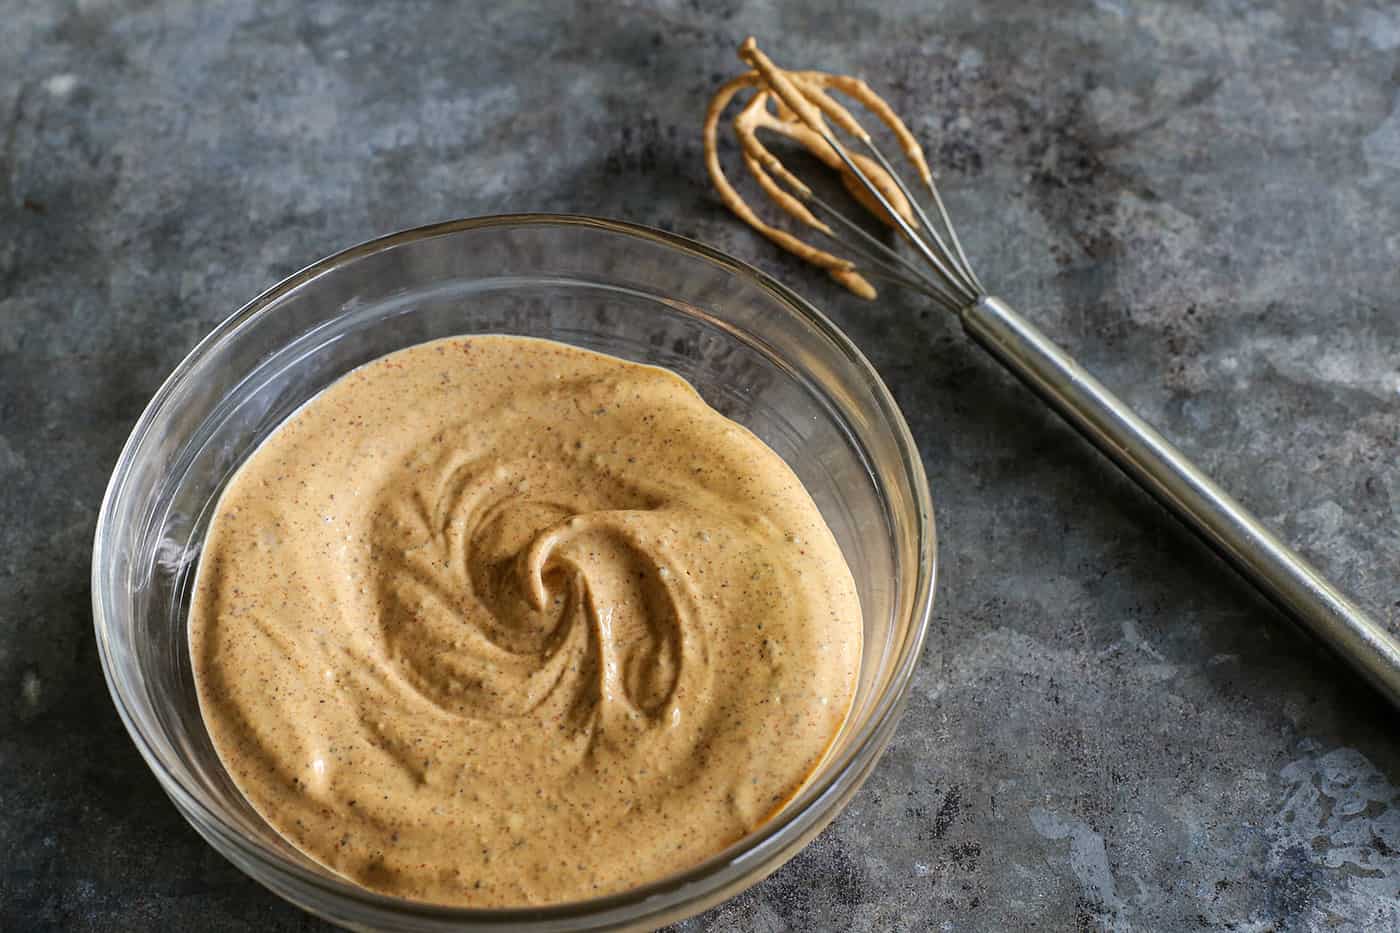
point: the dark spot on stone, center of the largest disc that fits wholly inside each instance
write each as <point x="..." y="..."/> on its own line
<point x="1086" y="914"/>
<point x="822" y="875"/>
<point x="965" y="856"/>
<point x="1292" y="886"/>
<point x="947" y="812"/>
<point x="1070" y="181"/>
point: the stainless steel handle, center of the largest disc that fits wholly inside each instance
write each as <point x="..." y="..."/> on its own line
<point x="1161" y="469"/>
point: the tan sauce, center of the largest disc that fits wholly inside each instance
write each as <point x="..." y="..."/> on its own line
<point x="802" y="107"/>
<point x="498" y="621"/>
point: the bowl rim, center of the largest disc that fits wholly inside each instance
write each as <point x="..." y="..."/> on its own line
<point x="659" y="897"/>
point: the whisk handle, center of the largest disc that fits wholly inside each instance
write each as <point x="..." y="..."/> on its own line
<point x="1151" y="460"/>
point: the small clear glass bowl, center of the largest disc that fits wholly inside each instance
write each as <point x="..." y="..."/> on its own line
<point x="756" y="351"/>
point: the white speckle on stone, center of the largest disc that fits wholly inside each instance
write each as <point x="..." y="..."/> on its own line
<point x="10" y="458"/>
<point x="1088" y="859"/>
<point x="1382" y="30"/>
<point x="1342" y="815"/>
<point x="1131" y="636"/>
<point x="1322" y="523"/>
<point x="61" y="85"/>
<point x="1382" y="146"/>
<point x="1353" y="361"/>
<point x="30" y="687"/>
<point x="921" y="870"/>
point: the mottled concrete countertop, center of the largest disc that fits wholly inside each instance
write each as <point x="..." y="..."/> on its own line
<point x="1108" y="729"/>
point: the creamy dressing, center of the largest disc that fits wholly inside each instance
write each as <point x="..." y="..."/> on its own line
<point x="496" y="621"/>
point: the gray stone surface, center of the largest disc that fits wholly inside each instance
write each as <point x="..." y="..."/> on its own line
<point x="1108" y="730"/>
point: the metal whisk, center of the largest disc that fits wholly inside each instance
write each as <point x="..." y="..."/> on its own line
<point x="945" y="276"/>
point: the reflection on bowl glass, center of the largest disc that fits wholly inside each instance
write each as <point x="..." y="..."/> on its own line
<point x="755" y="351"/>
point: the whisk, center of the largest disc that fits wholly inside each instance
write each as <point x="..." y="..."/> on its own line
<point x="943" y="273"/>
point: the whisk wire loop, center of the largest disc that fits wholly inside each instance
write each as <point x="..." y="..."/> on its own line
<point x="881" y="256"/>
<point x="956" y="257"/>
<point x="949" y="278"/>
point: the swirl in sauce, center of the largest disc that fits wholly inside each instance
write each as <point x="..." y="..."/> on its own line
<point x="498" y="621"/>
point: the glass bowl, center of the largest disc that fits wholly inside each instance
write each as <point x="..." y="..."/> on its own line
<point x="756" y="352"/>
